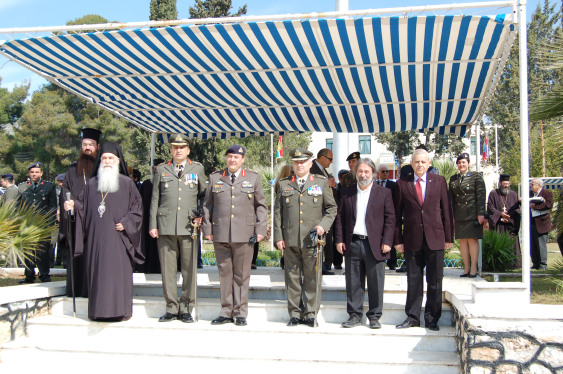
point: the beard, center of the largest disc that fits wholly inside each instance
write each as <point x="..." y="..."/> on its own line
<point x="364" y="181"/>
<point x="504" y="191"/>
<point x="108" y="178"/>
<point x="86" y="163"/>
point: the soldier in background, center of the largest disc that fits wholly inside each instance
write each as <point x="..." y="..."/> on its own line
<point x="41" y="196"/>
<point x="178" y="186"/>
<point x="11" y="193"/>
<point x="235" y="217"/>
<point x="304" y="202"/>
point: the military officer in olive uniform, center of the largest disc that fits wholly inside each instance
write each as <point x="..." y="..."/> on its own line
<point x="304" y="201"/>
<point x="235" y="216"/>
<point x="42" y="196"/>
<point x="178" y="186"/>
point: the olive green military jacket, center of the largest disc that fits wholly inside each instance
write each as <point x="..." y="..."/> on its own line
<point x="11" y="194"/>
<point x="43" y="198"/>
<point x="468" y="197"/>
<point x="234" y="212"/>
<point x="174" y="198"/>
<point x="297" y="211"/>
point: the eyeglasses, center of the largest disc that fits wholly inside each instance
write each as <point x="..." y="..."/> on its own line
<point x="384" y="171"/>
<point x="330" y="159"/>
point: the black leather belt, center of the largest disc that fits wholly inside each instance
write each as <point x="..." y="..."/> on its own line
<point x="359" y="237"/>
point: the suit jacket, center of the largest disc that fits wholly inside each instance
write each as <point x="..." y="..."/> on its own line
<point x="174" y="198"/>
<point x="296" y="212"/>
<point x="234" y="212"/>
<point x="390" y="185"/>
<point x="433" y="220"/>
<point x="380" y="219"/>
<point x="543" y="222"/>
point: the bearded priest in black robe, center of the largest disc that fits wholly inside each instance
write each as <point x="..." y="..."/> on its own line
<point x="76" y="178"/>
<point x="503" y="212"/>
<point x="108" y="234"/>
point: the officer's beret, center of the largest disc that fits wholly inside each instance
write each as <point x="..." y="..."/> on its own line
<point x="236" y="149"/>
<point x="179" y="139"/>
<point x="36" y="165"/>
<point x="93" y="134"/>
<point x="462" y="156"/>
<point x="60" y="177"/>
<point x="353" y="156"/>
<point x="504" y="178"/>
<point x="300" y="154"/>
<point x="341" y="172"/>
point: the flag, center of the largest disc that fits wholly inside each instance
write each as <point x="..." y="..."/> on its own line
<point x="486" y="148"/>
<point x="279" y="151"/>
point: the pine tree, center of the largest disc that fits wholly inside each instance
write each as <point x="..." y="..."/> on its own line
<point x="162" y="10"/>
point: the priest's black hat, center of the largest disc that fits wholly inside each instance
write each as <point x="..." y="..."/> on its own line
<point x="113" y="148"/>
<point x="89" y="133"/>
<point x="504" y="178"/>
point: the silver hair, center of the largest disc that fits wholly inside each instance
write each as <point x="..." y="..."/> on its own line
<point x="366" y="161"/>
<point x="538" y="181"/>
<point x="421" y="151"/>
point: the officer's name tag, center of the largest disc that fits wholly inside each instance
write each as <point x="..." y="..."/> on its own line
<point x="315" y="190"/>
<point x="247" y="184"/>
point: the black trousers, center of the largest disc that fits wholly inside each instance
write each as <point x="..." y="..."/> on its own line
<point x="361" y="264"/>
<point x="39" y="259"/>
<point x="434" y="263"/>
<point x="392" y="262"/>
<point x="538" y="246"/>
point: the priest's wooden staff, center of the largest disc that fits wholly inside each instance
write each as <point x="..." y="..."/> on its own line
<point x="70" y="236"/>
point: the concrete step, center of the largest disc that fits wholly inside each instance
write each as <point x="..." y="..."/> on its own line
<point x="147" y="345"/>
<point x="259" y="309"/>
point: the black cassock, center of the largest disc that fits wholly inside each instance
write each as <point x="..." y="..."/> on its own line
<point x="110" y="255"/>
<point x="74" y="183"/>
<point x="496" y="204"/>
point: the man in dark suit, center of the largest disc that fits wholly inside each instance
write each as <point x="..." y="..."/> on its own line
<point x="364" y="231"/>
<point x="424" y="214"/>
<point x="384" y="181"/>
<point x="540" y="223"/>
<point x="320" y="166"/>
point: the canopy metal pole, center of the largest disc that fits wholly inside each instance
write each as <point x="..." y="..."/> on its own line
<point x="524" y="147"/>
<point x="272" y="192"/>
<point x="153" y="146"/>
<point x="496" y="148"/>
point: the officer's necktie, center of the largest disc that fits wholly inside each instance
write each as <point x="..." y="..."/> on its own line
<point x="419" y="190"/>
<point x="233" y="177"/>
<point x="180" y="169"/>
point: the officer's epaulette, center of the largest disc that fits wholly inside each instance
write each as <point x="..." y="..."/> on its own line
<point x="286" y="178"/>
<point x="454" y="177"/>
<point x="197" y="163"/>
<point x="251" y="171"/>
<point x="218" y="171"/>
<point x="46" y="182"/>
<point x="319" y="176"/>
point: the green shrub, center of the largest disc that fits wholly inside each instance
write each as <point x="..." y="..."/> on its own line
<point x="498" y="251"/>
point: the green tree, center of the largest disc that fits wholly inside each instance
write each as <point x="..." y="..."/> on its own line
<point x="449" y="144"/>
<point x="215" y="9"/>
<point x="400" y="143"/>
<point x="505" y="105"/>
<point x="163" y="10"/>
<point x="12" y="103"/>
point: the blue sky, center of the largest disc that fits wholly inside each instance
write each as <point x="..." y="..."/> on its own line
<point x="33" y="13"/>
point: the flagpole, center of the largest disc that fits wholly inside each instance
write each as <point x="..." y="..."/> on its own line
<point x="271" y="192"/>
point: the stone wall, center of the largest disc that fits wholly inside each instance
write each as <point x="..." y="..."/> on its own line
<point x="505" y="352"/>
<point x="13" y="316"/>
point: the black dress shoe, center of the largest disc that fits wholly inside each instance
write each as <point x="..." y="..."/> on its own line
<point x="45" y="279"/>
<point x="240" y="321"/>
<point x="338" y="267"/>
<point x="326" y="272"/>
<point x="433" y="326"/>
<point x="374" y="324"/>
<point x="401" y="270"/>
<point x="406" y="324"/>
<point x="253" y="267"/>
<point x="309" y="322"/>
<point x="351" y="322"/>
<point x="294" y="321"/>
<point x="464" y="275"/>
<point x="186" y="318"/>
<point x="27" y="281"/>
<point x="472" y="275"/>
<point x="222" y="320"/>
<point x="167" y="317"/>
<point x="392" y="267"/>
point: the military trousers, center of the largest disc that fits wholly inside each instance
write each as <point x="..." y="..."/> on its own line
<point x="39" y="258"/>
<point x="170" y="247"/>
<point x="301" y="282"/>
<point x="233" y="262"/>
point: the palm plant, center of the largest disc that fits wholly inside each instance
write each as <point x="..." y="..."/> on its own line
<point x="498" y="251"/>
<point x="22" y="230"/>
<point x="446" y="168"/>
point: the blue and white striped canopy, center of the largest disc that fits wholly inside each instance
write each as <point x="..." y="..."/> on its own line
<point x="369" y="74"/>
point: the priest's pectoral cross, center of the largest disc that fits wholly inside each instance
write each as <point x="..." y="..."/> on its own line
<point x="504" y="209"/>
